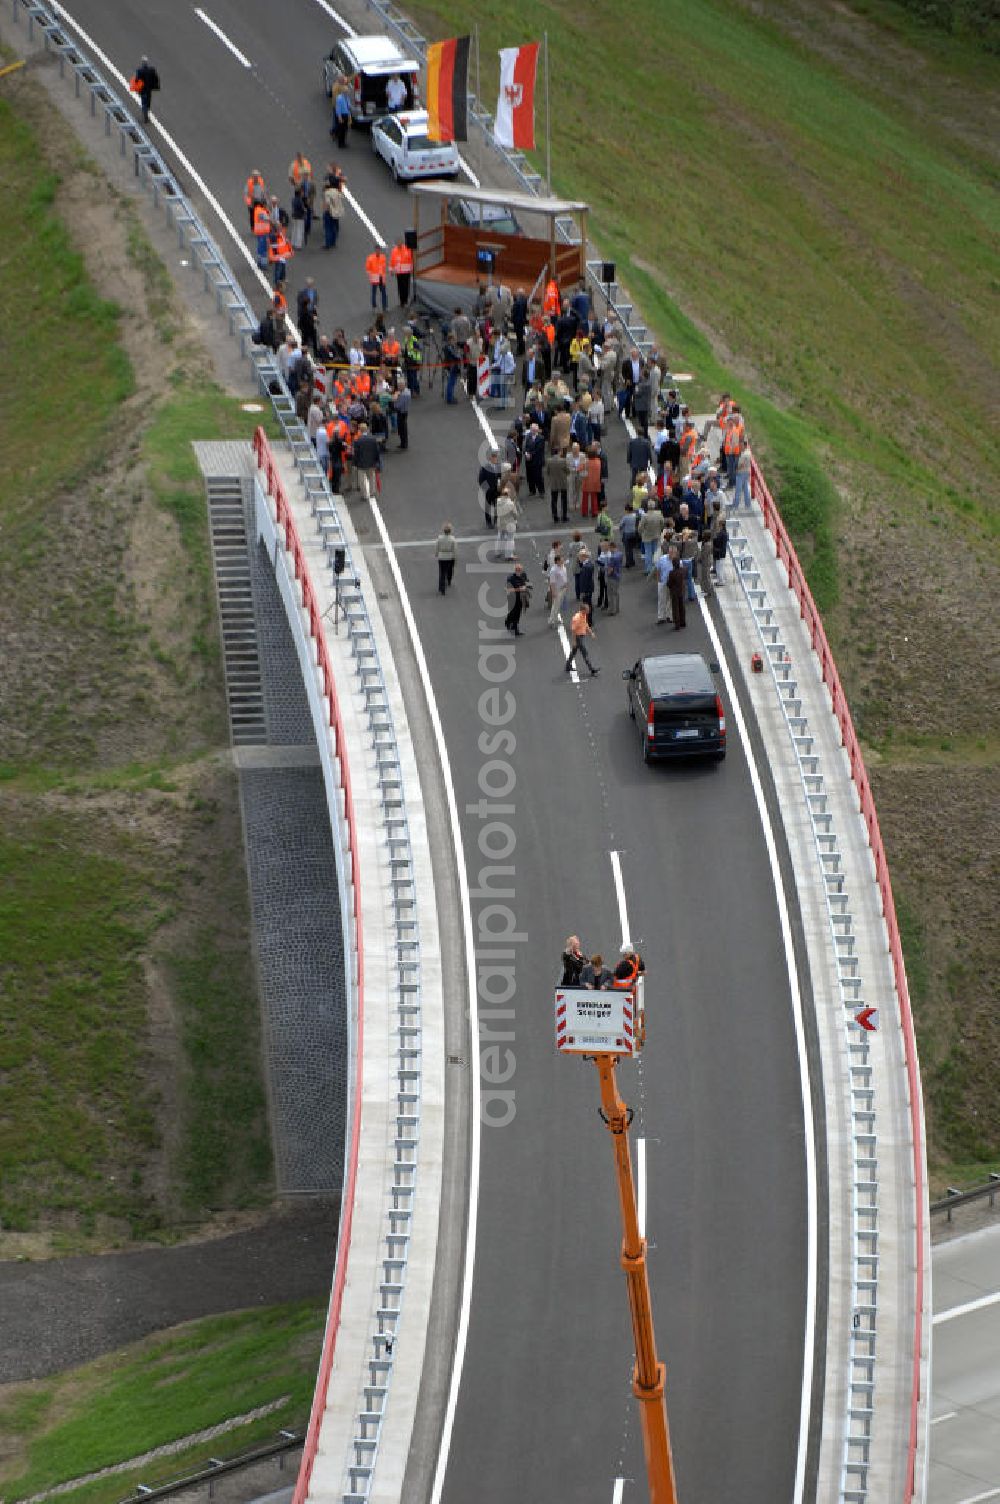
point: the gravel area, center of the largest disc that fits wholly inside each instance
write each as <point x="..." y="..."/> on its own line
<point x="59" y="1313"/>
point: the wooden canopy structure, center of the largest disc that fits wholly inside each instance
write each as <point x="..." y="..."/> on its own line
<point x="451" y="261"/>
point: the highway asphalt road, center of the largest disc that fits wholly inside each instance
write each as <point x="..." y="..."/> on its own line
<point x="965" y="1402"/>
<point x="545" y="1410"/>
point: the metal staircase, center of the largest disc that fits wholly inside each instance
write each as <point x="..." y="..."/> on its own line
<point x="240" y="654"/>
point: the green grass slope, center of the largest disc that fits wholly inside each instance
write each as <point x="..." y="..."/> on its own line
<point x="131" y="1096"/>
<point x="801" y="198"/>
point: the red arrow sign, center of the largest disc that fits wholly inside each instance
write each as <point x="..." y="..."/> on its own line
<point x="864" y="1018"/>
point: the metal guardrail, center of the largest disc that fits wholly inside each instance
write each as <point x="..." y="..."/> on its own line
<point x="231" y="301"/>
<point x="817" y="636"/>
<point x="956" y="1198"/>
<point x="217" y="1468"/>
<point x="861" y="1337"/>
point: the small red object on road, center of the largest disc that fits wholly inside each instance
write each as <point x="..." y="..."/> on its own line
<point x="757" y="663"/>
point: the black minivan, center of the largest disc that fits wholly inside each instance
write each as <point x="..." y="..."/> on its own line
<point x="674" y="701"/>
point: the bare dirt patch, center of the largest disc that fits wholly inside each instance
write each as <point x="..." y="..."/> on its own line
<point x="112" y="690"/>
<point x="942" y="832"/>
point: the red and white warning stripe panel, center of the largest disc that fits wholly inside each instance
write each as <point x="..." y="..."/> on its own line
<point x="594" y="1023"/>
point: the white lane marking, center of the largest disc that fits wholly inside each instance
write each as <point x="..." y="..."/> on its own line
<point x="948" y="1415"/>
<point x="375" y="233"/>
<point x="808" y="1126"/>
<point x="484" y="423"/>
<point x="968" y="1308"/>
<point x="335" y="17"/>
<point x="616" y="869"/>
<point x="617" y="1491"/>
<point x="574" y="673"/>
<point x="470" y="958"/>
<point x="240" y="56"/>
<point x="991" y="1493"/>
<point x="476" y="538"/>
<point x="640" y="1176"/>
<point x="188" y="167"/>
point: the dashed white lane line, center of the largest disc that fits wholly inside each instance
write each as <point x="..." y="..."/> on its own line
<point x="491" y="438"/>
<point x="616" y="869"/>
<point x="968" y="1308"/>
<point x="155" y="125"/>
<point x="240" y="57"/>
<point x="640" y="1183"/>
<point x="574" y="673"/>
<point x="991" y="1493"/>
<point x="948" y="1415"/>
<point x="334" y="16"/>
<point x="617" y="1491"/>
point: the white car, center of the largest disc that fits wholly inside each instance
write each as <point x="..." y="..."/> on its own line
<point x="402" y="143"/>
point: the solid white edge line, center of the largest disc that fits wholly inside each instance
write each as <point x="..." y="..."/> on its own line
<point x="617" y="1491"/>
<point x="470" y="951"/>
<point x="640" y="1180"/>
<point x="966" y="1310"/>
<point x="212" y="26"/>
<point x="808" y="1357"/>
<point x="188" y="167"/>
<point x="616" y="870"/>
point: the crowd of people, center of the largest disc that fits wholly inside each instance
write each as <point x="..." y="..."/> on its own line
<point x="670" y="522"/>
<point x="355" y="395"/>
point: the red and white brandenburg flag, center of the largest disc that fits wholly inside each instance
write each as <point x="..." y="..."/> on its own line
<point x="515" y="124"/>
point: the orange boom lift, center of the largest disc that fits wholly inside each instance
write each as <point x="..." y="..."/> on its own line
<point x="604" y="1027"/>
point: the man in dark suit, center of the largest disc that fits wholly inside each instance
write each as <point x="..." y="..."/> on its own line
<point x="533" y="370"/>
<point x="631" y="371"/>
<point x="489" y="485"/>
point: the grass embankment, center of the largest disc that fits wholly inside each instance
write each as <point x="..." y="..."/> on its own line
<point x="801" y="199"/>
<point x="131" y="1101"/>
<point x="156" y="1392"/>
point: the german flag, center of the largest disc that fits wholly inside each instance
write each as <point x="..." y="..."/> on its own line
<point x="447" y="90"/>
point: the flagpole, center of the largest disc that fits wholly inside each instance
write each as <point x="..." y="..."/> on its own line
<point x="482" y="128"/>
<point x="548" y="120"/>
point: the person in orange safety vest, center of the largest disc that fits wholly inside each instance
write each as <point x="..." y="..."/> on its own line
<point x="300" y="167"/>
<point x="552" y="303"/>
<point x="732" y="442"/>
<point x="391" y="349"/>
<point x="689" y="443"/>
<point x="375" y="271"/>
<point x="255" y="192"/>
<point x="401" y="266"/>
<point x="260" y="223"/>
<point x="279" y="253"/>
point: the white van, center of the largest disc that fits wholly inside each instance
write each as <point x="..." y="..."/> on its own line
<point x="368" y="63"/>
